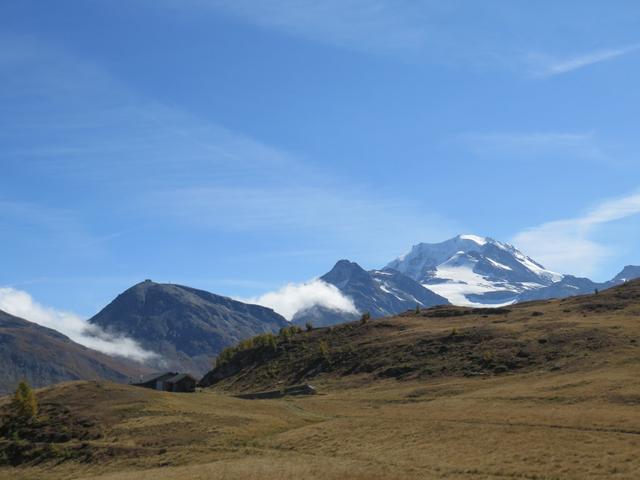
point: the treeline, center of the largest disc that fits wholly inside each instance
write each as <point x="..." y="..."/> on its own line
<point x="266" y="340"/>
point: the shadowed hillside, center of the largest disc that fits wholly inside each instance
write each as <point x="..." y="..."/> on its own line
<point x="43" y="356"/>
<point x="185" y="326"/>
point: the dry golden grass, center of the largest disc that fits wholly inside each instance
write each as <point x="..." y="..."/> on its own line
<point x="537" y="426"/>
<point x="581" y="421"/>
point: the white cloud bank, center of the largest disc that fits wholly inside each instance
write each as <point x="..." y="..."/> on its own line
<point x="293" y="298"/>
<point x="566" y="245"/>
<point x="21" y="304"/>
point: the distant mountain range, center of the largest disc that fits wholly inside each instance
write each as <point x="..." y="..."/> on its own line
<point x="43" y="356"/>
<point x="185" y="326"/>
<point x="467" y="270"/>
<point x="470" y="270"/>
<point x="188" y="328"/>
<point x="570" y="285"/>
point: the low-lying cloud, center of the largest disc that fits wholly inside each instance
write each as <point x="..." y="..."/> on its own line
<point x="21" y="304"/>
<point x="293" y="298"/>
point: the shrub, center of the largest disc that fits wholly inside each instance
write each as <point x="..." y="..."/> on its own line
<point x="288" y="332"/>
<point x="487" y="357"/>
<point x="366" y="316"/>
<point x="309" y="326"/>
<point x="225" y="356"/>
<point x="25" y="404"/>
<point x="323" y="348"/>
<point x="260" y="341"/>
<point x="272" y="341"/>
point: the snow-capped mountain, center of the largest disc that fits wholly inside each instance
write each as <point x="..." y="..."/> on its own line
<point x="474" y="271"/>
<point x="379" y="292"/>
<point x="467" y="270"/>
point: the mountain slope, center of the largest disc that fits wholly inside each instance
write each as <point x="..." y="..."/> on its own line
<point x="43" y="356"/>
<point x="447" y="341"/>
<point x="628" y="273"/>
<point x="379" y="292"/>
<point x="474" y="271"/>
<point x="467" y="270"/>
<point x="187" y="327"/>
<point x="570" y="286"/>
<point x="547" y="386"/>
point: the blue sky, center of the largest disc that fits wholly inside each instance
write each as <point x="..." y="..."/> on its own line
<point x="240" y="145"/>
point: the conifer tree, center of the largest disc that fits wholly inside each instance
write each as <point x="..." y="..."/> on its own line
<point x="24" y="402"/>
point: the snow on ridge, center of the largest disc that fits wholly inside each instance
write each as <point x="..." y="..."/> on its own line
<point x="458" y="282"/>
<point x="467" y="283"/>
<point x="499" y="265"/>
<point x="474" y="238"/>
<point x="387" y="289"/>
<point x="447" y="268"/>
<point x="537" y="268"/>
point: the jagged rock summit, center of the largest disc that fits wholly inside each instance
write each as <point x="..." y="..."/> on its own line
<point x="377" y="292"/>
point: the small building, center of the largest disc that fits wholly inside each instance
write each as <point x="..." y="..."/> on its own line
<point x="182" y="382"/>
<point x="168" y="382"/>
<point x="304" y="389"/>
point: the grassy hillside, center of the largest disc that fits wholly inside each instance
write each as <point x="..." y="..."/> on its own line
<point x="570" y="412"/>
<point x="569" y="334"/>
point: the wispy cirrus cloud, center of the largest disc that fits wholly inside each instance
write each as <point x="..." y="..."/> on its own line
<point x="568" y="245"/>
<point x="455" y="32"/>
<point x="336" y="209"/>
<point x="583" y="145"/>
<point x="379" y="26"/>
<point x="158" y="162"/>
<point x="545" y="66"/>
<point x="49" y="228"/>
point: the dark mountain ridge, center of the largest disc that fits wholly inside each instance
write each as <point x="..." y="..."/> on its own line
<point x="379" y="292"/>
<point x="185" y="326"/>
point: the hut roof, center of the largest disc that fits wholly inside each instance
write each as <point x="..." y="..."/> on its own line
<point x="178" y="377"/>
<point x="154" y="377"/>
